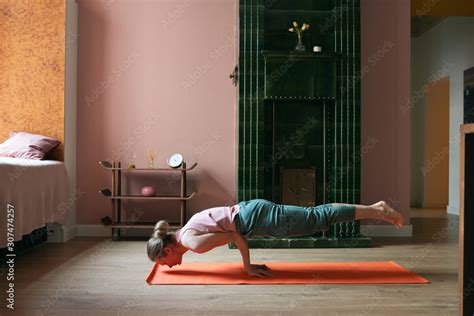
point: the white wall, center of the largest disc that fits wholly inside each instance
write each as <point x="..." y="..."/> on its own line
<point x="445" y="50"/>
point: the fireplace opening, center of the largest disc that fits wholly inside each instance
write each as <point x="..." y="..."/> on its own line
<point x="296" y="152"/>
<point x="298" y="186"/>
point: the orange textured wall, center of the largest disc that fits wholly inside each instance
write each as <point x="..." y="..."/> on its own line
<point x="32" y="56"/>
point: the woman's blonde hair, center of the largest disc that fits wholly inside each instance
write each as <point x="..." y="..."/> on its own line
<point x="158" y="240"/>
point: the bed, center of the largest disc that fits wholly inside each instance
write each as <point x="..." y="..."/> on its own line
<point x="36" y="190"/>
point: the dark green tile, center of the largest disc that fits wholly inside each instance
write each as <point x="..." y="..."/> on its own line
<point x="305" y="242"/>
<point x="277" y="243"/>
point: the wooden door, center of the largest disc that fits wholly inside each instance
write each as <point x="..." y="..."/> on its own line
<point x="436" y="153"/>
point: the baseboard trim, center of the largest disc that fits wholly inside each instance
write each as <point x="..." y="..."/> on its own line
<point x="69" y="232"/>
<point x="102" y="231"/>
<point x="58" y="233"/>
<point x="451" y="210"/>
<point x="55" y="232"/>
<point x="386" y="231"/>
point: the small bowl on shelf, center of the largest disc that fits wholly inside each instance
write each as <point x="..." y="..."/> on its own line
<point x="148" y="191"/>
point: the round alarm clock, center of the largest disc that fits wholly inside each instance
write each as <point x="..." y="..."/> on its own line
<point x="175" y="160"/>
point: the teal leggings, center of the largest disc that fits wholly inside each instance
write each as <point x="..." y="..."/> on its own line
<point x="262" y="218"/>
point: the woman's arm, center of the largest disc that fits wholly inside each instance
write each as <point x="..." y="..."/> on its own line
<point x="241" y="243"/>
<point x="202" y="243"/>
<point x="252" y="269"/>
<point x="205" y="242"/>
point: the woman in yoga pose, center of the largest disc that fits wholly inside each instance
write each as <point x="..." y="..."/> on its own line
<point x="219" y="226"/>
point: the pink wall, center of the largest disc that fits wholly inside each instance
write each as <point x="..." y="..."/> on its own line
<point x="155" y="75"/>
<point x="385" y="173"/>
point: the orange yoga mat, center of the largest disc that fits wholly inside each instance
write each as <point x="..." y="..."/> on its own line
<point x="286" y="273"/>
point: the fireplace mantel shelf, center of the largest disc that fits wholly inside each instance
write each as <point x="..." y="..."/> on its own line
<point x="297" y="98"/>
<point x="299" y="55"/>
<point x="304" y="76"/>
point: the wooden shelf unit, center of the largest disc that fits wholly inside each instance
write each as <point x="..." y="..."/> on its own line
<point x="109" y="166"/>
<point x="116" y="197"/>
<point x="108" y="194"/>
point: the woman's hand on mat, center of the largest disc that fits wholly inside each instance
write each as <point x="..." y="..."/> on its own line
<point x="259" y="270"/>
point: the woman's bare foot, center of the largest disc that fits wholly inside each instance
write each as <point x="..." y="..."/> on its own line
<point x="388" y="214"/>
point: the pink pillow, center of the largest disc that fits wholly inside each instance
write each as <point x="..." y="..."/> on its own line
<point x="28" y="146"/>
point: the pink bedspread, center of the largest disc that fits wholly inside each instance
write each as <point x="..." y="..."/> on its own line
<point x="35" y="191"/>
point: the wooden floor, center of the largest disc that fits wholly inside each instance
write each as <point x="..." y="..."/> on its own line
<point x="99" y="277"/>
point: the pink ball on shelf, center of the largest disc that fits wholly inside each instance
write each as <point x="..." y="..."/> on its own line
<point x="148" y="191"/>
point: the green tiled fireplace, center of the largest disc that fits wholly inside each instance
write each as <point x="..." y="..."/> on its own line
<point x="299" y="112"/>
